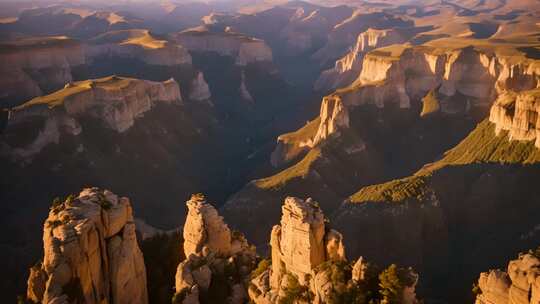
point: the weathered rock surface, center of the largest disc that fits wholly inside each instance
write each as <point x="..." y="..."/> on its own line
<point x="309" y="258"/>
<point x="136" y="44"/>
<point x="244" y="49"/>
<point x="518" y="114"/>
<point x="35" y="66"/>
<point x="116" y="102"/>
<point x="520" y="284"/>
<point x="213" y="251"/>
<point x="349" y="66"/>
<point x="333" y="117"/>
<point x="28" y="66"/>
<point x="91" y="253"/>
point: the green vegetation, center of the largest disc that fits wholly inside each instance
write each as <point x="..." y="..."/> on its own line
<point x="263" y="265"/>
<point x="59" y="97"/>
<point x="294" y="291"/>
<point x="298" y="170"/>
<point x="103" y="202"/>
<point x="393" y="191"/>
<point x="430" y="104"/>
<point x="198" y="197"/>
<point x="393" y="280"/>
<point x="480" y="146"/>
<point x="294" y="139"/>
<point x="476" y="291"/>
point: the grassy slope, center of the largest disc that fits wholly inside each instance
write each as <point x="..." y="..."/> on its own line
<point x="481" y="146"/>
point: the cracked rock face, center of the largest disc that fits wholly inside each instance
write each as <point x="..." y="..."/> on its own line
<point x="517" y="113"/>
<point x="91" y="253"/>
<point x="520" y="284"/>
<point x="212" y="250"/>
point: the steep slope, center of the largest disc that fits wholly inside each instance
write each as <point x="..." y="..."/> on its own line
<point x="441" y="220"/>
<point x="37" y="66"/>
<point x="116" y="132"/>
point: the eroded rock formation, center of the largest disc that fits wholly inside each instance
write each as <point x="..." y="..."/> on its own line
<point x="244" y="49"/>
<point x="214" y="254"/>
<point x="517" y="113"/>
<point x="333" y="117"/>
<point x="309" y="264"/>
<point x="136" y="44"/>
<point x="91" y="253"/>
<point x="350" y="65"/>
<point x="29" y="66"/>
<point x="115" y="101"/>
<point x="520" y="284"/>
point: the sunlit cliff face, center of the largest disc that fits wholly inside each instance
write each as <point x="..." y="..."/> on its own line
<point x="325" y="136"/>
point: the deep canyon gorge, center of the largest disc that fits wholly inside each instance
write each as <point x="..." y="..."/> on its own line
<point x="267" y="152"/>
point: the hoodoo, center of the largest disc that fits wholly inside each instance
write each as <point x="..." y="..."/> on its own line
<point x="91" y="253"/>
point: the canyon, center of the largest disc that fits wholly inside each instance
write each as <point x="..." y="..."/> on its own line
<point x="357" y="151"/>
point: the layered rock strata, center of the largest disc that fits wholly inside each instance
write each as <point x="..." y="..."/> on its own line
<point x="91" y="253"/>
<point x="244" y="49"/>
<point x="214" y="253"/>
<point x="115" y="101"/>
<point x="27" y="66"/>
<point x="520" y="284"/>
<point x="350" y="65"/>
<point x="517" y="113"/>
<point x="33" y="67"/>
<point x="136" y="44"/>
<point x="333" y="117"/>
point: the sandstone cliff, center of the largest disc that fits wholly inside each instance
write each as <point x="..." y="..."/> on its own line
<point x="114" y="101"/>
<point x="333" y="116"/>
<point x="136" y="44"/>
<point x="27" y="67"/>
<point x="461" y="78"/>
<point x="243" y="49"/>
<point x="349" y="66"/>
<point x="520" y="284"/>
<point x="218" y="260"/>
<point x="399" y="74"/>
<point x="308" y="264"/>
<point x="33" y="67"/>
<point x="91" y="253"/>
<point x="517" y="113"/>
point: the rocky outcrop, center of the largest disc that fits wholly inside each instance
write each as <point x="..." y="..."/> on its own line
<point x="309" y="263"/>
<point x="301" y="242"/>
<point x="199" y="89"/>
<point x="333" y="117"/>
<point x="116" y="102"/>
<point x="517" y="113"/>
<point x="36" y="66"/>
<point x="136" y="44"/>
<point x="244" y="49"/>
<point x="91" y="253"/>
<point x="520" y="284"/>
<point x="349" y="66"/>
<point x="214" y="253"/>
<point x="29" y="66"/>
